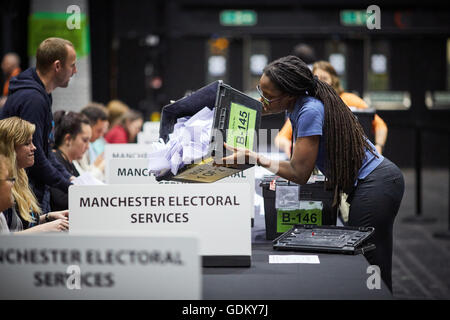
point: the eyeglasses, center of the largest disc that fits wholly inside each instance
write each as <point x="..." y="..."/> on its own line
<point x="265" y="100"/>
<point x="12" y="180"/>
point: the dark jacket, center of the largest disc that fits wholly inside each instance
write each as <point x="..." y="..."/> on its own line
<point x="28" y="100"/>
<point x="59" y="200"/>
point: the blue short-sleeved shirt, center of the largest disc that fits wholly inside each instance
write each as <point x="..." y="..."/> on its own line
<point x="307" y="119"/>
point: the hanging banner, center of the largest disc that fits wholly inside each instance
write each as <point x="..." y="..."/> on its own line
<point x="42" y="25"/>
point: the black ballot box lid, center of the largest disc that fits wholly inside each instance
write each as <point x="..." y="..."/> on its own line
<point x="186" y="107"/>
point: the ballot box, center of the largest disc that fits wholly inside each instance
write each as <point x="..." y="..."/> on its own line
<point x="309" y="204"/>
<point x="237" y="118"/>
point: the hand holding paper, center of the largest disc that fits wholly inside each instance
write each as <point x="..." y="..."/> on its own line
<point x="87" y="179"/>
<point x="239" y="156"/>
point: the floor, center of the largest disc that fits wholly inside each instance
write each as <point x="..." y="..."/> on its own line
<point x="421" y="262"/>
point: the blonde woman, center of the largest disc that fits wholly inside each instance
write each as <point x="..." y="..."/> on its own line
<point x="116" y="109"/>
<point x="6" y="183"/>
<point x="25" y="215"/>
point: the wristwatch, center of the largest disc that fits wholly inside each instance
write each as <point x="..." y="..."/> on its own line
<point x="46" y="218"/>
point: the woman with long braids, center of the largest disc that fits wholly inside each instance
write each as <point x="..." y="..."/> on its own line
<point x="326" y="73"/>
<point x="327" y="135"/>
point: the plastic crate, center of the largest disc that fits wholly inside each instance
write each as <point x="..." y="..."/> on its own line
<point x="309" y="192"/>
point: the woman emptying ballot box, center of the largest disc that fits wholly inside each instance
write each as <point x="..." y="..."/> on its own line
<point x="327" y="135"/>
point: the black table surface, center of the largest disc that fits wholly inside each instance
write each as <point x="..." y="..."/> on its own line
<point x="338" y="276"/>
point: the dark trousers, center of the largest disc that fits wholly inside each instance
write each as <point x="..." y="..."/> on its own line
<point x="375" y="203"/>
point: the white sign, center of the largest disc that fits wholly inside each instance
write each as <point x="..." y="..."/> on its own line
<point x="99" y="267"/>
<point x="216" y="213"/>
<point x="135" y="171"/>
<point x="247" y="177"/>
<point x="124" y="151"/>
<point x="129" y="171"/>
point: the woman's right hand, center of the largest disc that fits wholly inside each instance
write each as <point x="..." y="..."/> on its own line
<point x="57" y="225"/>
<point x="238" y="157"/>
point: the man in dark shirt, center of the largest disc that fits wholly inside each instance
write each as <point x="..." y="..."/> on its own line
<point x="30" y="99"/>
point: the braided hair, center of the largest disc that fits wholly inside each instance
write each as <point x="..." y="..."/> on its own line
<point x="345" y="140"/>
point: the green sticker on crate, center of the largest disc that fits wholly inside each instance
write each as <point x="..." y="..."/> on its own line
<point x="286" y="218"/>
<point x="241" y="126"/>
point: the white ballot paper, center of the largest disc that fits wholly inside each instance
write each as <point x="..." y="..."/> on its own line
<point x="86" y="179"/>
<point x="313" y="259"/>
<point x="189" y="141"/>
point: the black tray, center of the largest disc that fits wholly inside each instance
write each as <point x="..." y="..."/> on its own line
<point x="330" y="239"/>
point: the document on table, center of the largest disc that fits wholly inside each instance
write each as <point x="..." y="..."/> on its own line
<point x="312" y="259"/>
<point x="86" y="179"/>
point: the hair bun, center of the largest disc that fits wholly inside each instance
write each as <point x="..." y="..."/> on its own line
<point x="58" y="116"/>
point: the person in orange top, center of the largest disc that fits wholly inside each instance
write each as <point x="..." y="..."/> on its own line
<point x="325" y="72"/>
<point x="11" y="68"/>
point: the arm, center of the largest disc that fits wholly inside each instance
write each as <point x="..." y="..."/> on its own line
<point x="381" y="131"/>
<point x="56" y="221"/>
<point x="52" y="226"/>
<point x="301" y="165"/>
<point x="54" y="215"/>
<point x="283" y="140"/>
<point x="297" y="170"/>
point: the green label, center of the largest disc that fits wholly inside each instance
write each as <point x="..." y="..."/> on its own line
<point x="43" y="25"/>
<point x="241" y="126"/>
<point x="286" y="219"/>
<point x="238" y="18"/>
<point x="353" y="17"/>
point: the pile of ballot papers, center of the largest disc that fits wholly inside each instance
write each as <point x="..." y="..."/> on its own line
<point x="188" y="142"/>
